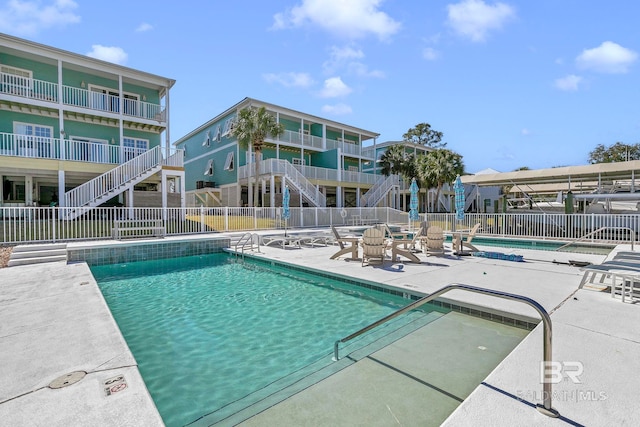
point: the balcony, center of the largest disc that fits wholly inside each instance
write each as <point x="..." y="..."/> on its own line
<point x="272" y="166"/>
<point x="38" y="147"/>
<point x="296" y="139"/>
<point x="77" y="97"/>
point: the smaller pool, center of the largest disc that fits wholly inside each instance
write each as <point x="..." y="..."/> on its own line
<point x="541" y="245"/>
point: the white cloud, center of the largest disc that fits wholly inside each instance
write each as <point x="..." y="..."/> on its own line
<point x="568" y="83"/>
<point x="337" y="110"/>
<point x="525" y="132"/>
<point x="108" y="53"/>
<point x="361" y="70"/>
<point x="334" y="87"/>
<point x="474" y="18"/>
<point x="144" y="27"/>
<point x="289" y="79"/>
<point x="609" y="57"/>
<point x="347" y="58"/>
<point x="27" y="18"/>
<point x="351" y="19"/>
<point x="430" y="54"/>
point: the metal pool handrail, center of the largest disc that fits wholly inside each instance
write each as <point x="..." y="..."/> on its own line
<point x="545" y="408"/>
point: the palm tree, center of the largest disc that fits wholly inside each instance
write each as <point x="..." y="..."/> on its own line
<point x="392" y="160"/>
<point x="251" y="128"/>
<point x="439" y="167"/>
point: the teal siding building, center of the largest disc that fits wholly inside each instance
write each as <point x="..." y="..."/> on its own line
<point x="70" y="124"/>
<point x="324" y="163"/>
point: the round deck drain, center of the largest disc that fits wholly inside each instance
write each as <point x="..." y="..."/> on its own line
<point x="67" y="379"/>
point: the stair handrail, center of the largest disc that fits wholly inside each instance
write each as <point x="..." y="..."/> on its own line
<point x="114" y="178"/>
<point x="380" y="189"/>
<point x="546" y="407"/>
<point x="591" y="233"/>
<point x="302" y="183"/>
<point x="247" y="238"/>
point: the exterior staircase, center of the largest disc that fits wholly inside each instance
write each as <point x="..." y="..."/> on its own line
<point x="380" y="189"/>
<point x="83" y="198"/>
<point x="297" y="181"/>
<point x="37" y="254"/>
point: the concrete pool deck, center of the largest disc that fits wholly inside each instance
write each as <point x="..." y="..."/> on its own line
<point x="53" y="321"/>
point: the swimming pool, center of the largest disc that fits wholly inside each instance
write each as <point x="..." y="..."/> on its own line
<point x="542" y="245"/>
<point x="212" y="335"/>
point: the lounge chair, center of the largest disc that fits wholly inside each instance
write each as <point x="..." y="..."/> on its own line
<point x="462" y="239"/>
<point x="282" y="241"/>
<point x="374" y="245"/>
<point x="434" y="241"/>
<point x="348" y="244"/>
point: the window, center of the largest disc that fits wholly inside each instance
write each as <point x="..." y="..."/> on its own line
<point x="353" y="169"/>
<point x="134" y="147"/>
<point x="228" y="127"/>
<point x="218" y="133"/>
<point x="16" y="81"/>
<point x="228" y="164"/>
<point x="33" y="140"/>
<point x="209" y="169"/>
<point x="207" y="139"/>
<point x="297" y="161"/>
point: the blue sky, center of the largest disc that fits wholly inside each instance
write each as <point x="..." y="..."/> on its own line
<point x="510" y="83"/>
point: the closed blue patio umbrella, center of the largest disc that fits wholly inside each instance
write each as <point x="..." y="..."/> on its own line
<point x="413" y="203"/>
<point x="459" y="198"/>
<point x="285" y="208"/>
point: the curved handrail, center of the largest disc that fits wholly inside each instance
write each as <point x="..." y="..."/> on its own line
<point x="545" y="408"/>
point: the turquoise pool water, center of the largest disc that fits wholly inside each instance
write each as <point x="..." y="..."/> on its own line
<point x="541" y="245"/>
<point x="208" y="331"/>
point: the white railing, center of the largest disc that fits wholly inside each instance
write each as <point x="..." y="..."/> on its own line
<point x="326" y="174"/>
<point x="297" y="139"/>
<point x="93" y="190"/>
<point x="175" y="159"/>
<point x="47" y="91"/>
<point x="28" y="88"/>
<point x="44" y="224"/>
<point x="284" y="168"/>
<point x="81" y="151"/>
<point x="111" y="103"/>
<point x="380" y="189"/>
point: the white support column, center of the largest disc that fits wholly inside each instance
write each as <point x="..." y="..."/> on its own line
<point x="164" y="188"/>
<point x="167" y="138"/>
<point x="130" y="201"/>
<point x="61" y="189"/>
<point x="324" y="136"/>
<point x="272" y="191"/>
<point x="61" y="113"/>
<point x="2" y="196"/>
<point x="358" y="195"/>
<point x="28" y="190"/>
<point x="339" y="203"/>
<point x="263" y="190"/>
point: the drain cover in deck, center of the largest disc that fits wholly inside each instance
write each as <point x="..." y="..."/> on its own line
<point x="67" y="379"/>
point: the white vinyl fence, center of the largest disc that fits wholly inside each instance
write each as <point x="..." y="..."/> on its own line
<point x="48" y="224"/>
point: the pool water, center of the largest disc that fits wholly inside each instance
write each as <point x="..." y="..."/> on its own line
<point x="208" y="331"/>
<point x="542" y="245"/>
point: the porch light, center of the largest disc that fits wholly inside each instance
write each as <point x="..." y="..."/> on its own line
<point x="83" y="84"/>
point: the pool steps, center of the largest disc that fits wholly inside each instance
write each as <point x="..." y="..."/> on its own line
<point x="38" y="254"/>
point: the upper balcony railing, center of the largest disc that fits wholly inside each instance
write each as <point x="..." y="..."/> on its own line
<point x="46" y="91"/>
<point x="295" y="138"/>
<point x="39" y="147"/>
<point x="312" y="173"/>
